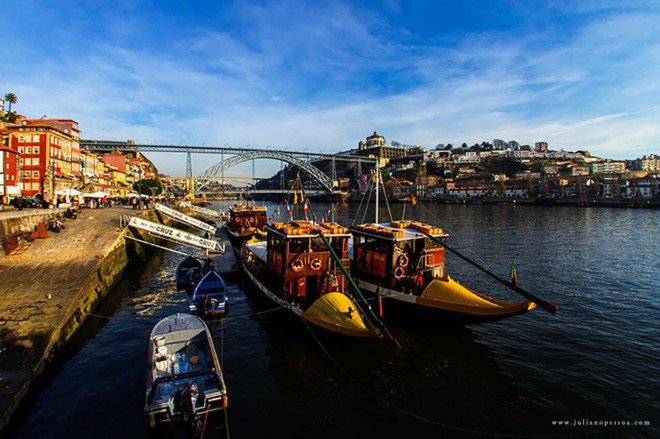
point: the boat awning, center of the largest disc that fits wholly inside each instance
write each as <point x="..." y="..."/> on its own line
<point x="406" y="234"/>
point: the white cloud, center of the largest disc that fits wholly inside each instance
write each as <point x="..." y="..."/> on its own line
<point x="325" y="77"/>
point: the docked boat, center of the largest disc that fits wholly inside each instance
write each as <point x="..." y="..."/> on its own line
<point x="209" y="296"/>
<point x="245" y="221"/>
<point x="184" y="379"/>
<point x="295" y="269"/>
<point x="403" y="265"/>
<point x="188" y="272"/>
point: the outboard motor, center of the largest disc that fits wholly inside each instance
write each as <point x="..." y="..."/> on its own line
<point x="189" y="397"/>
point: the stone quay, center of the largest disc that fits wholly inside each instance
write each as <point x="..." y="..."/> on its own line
<point x="48" y="287"/>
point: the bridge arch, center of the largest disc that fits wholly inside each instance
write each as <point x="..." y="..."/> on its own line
<point x="218" y="169"/>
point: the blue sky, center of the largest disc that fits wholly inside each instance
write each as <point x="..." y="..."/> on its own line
<point x="322" y="75"/>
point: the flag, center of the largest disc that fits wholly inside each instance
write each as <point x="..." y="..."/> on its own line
<point x="514" y="274"/>
<point x="306" y="207"/>
<point x="413" y="199"/>
<point x="288" y="210"/>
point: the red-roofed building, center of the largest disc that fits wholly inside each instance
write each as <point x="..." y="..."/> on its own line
<point x="9" y="182"/>
<point x="49" y="155"/>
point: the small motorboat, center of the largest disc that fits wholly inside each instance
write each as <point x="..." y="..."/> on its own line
<point x="187" y="272"/>
<point x="209" y="297"/>
<point x="184" y="378"/>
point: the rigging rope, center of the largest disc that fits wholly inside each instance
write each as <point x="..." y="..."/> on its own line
<point x="422" y="418"/>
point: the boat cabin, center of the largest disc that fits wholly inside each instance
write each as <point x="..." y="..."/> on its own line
<point x="301" y="265"/>
<point x="398" y="255"/>
<point x="243" y="217"/>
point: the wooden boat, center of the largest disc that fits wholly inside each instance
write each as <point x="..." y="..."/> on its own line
<point x="401" y="264"/>
<point x="295" y="269"/>
<point x="184" y="378"/>
<point x="245" y="221"/>
<point x="187" y="272"/>
<point x="209" y="296"/>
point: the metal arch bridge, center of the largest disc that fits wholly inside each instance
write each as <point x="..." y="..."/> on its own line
<point x="220" y="167"/>
<point x="238" y="155"/>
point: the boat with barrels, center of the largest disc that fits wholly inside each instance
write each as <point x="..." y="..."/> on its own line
<point x="402" y="264"/>
<point x="245" y="221"/>
<point x="298" y="268"/>
<point x="184" y="379"/>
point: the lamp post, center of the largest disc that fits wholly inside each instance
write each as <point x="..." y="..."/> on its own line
<point x="52" y="180"/>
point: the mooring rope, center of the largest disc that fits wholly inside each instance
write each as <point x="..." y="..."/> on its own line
<point x="422" y="418"/>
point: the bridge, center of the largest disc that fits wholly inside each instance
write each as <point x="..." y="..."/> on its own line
<point x="302" y="160"/>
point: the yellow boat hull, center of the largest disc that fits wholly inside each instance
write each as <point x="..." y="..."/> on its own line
<point x="450" y="296"/>
<point x="337" y="313"/>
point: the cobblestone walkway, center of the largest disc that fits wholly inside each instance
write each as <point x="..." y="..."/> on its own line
<point x="39" y="283"/>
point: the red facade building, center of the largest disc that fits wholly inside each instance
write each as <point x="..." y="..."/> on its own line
<point x="9" y="183"/>
<point x="49" y="155"/>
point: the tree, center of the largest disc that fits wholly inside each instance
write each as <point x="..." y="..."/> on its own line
<point x="395" y="144"/>
<point x="143" y="187"/>
<point x="12" y="99"/>
<point x="502" y="165"/>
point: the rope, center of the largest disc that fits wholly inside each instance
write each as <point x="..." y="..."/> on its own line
<point x="413" y="415"/>
<point x="366" y="208"/>
<point x="364" y="194"/>
<point x="387" y="203"/>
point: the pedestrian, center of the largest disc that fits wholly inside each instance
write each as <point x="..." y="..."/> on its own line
<point x="134" y="203"/>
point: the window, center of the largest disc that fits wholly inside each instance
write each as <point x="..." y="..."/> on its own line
<point x="21" y="139"/>
<point x="28" y="150"/>
<point x="28" y="162"/>
<point x="35" y="138"/>
<point x="35" y="161"/>
<point x="35" y="174"/>
<point x="35" y="150"/>
<point x="20" y="150"/>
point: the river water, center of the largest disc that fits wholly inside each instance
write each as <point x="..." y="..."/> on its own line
<point x="595" y="361"/>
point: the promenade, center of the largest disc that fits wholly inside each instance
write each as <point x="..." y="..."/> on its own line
<point x="39" y="286"/>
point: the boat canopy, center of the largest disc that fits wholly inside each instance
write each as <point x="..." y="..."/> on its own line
<point x="398" y="230"/>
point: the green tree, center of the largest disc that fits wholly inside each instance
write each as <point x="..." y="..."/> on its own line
<point x="502" y="165"/>
<point x="12" y="99"/>
<point x="144" y="186"/>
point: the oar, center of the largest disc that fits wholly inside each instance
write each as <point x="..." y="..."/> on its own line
<point x="388" y="334"/>
<point x="545" y="304"/>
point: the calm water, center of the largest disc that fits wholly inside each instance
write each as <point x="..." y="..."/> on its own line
<point x="596" y="360"/>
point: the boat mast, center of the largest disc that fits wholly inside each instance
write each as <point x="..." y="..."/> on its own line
<point x="377" y="185"/>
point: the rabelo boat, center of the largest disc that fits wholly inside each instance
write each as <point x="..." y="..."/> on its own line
<point x="295" y="269"/>
<point x="244" y="222"/>
<point x="400" y="264"/>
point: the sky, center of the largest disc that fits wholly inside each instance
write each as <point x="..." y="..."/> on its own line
<point x="323" y="75"/>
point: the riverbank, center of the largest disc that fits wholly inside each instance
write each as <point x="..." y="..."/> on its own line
<point x="48" y="287"/>
<point x="566" y="202"/>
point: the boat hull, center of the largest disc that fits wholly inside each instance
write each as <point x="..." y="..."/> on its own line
<point x="336" y="304"/>
<point x="183" y="366"/>
<point x="436" y="310"/>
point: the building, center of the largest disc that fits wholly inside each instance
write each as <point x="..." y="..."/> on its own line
<point x="9" y="181"/>
<point x="375" y="147"/>
<point x="541" y="146"/>
<point x="49" y="155"/>
<point x="608" y="167"/>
